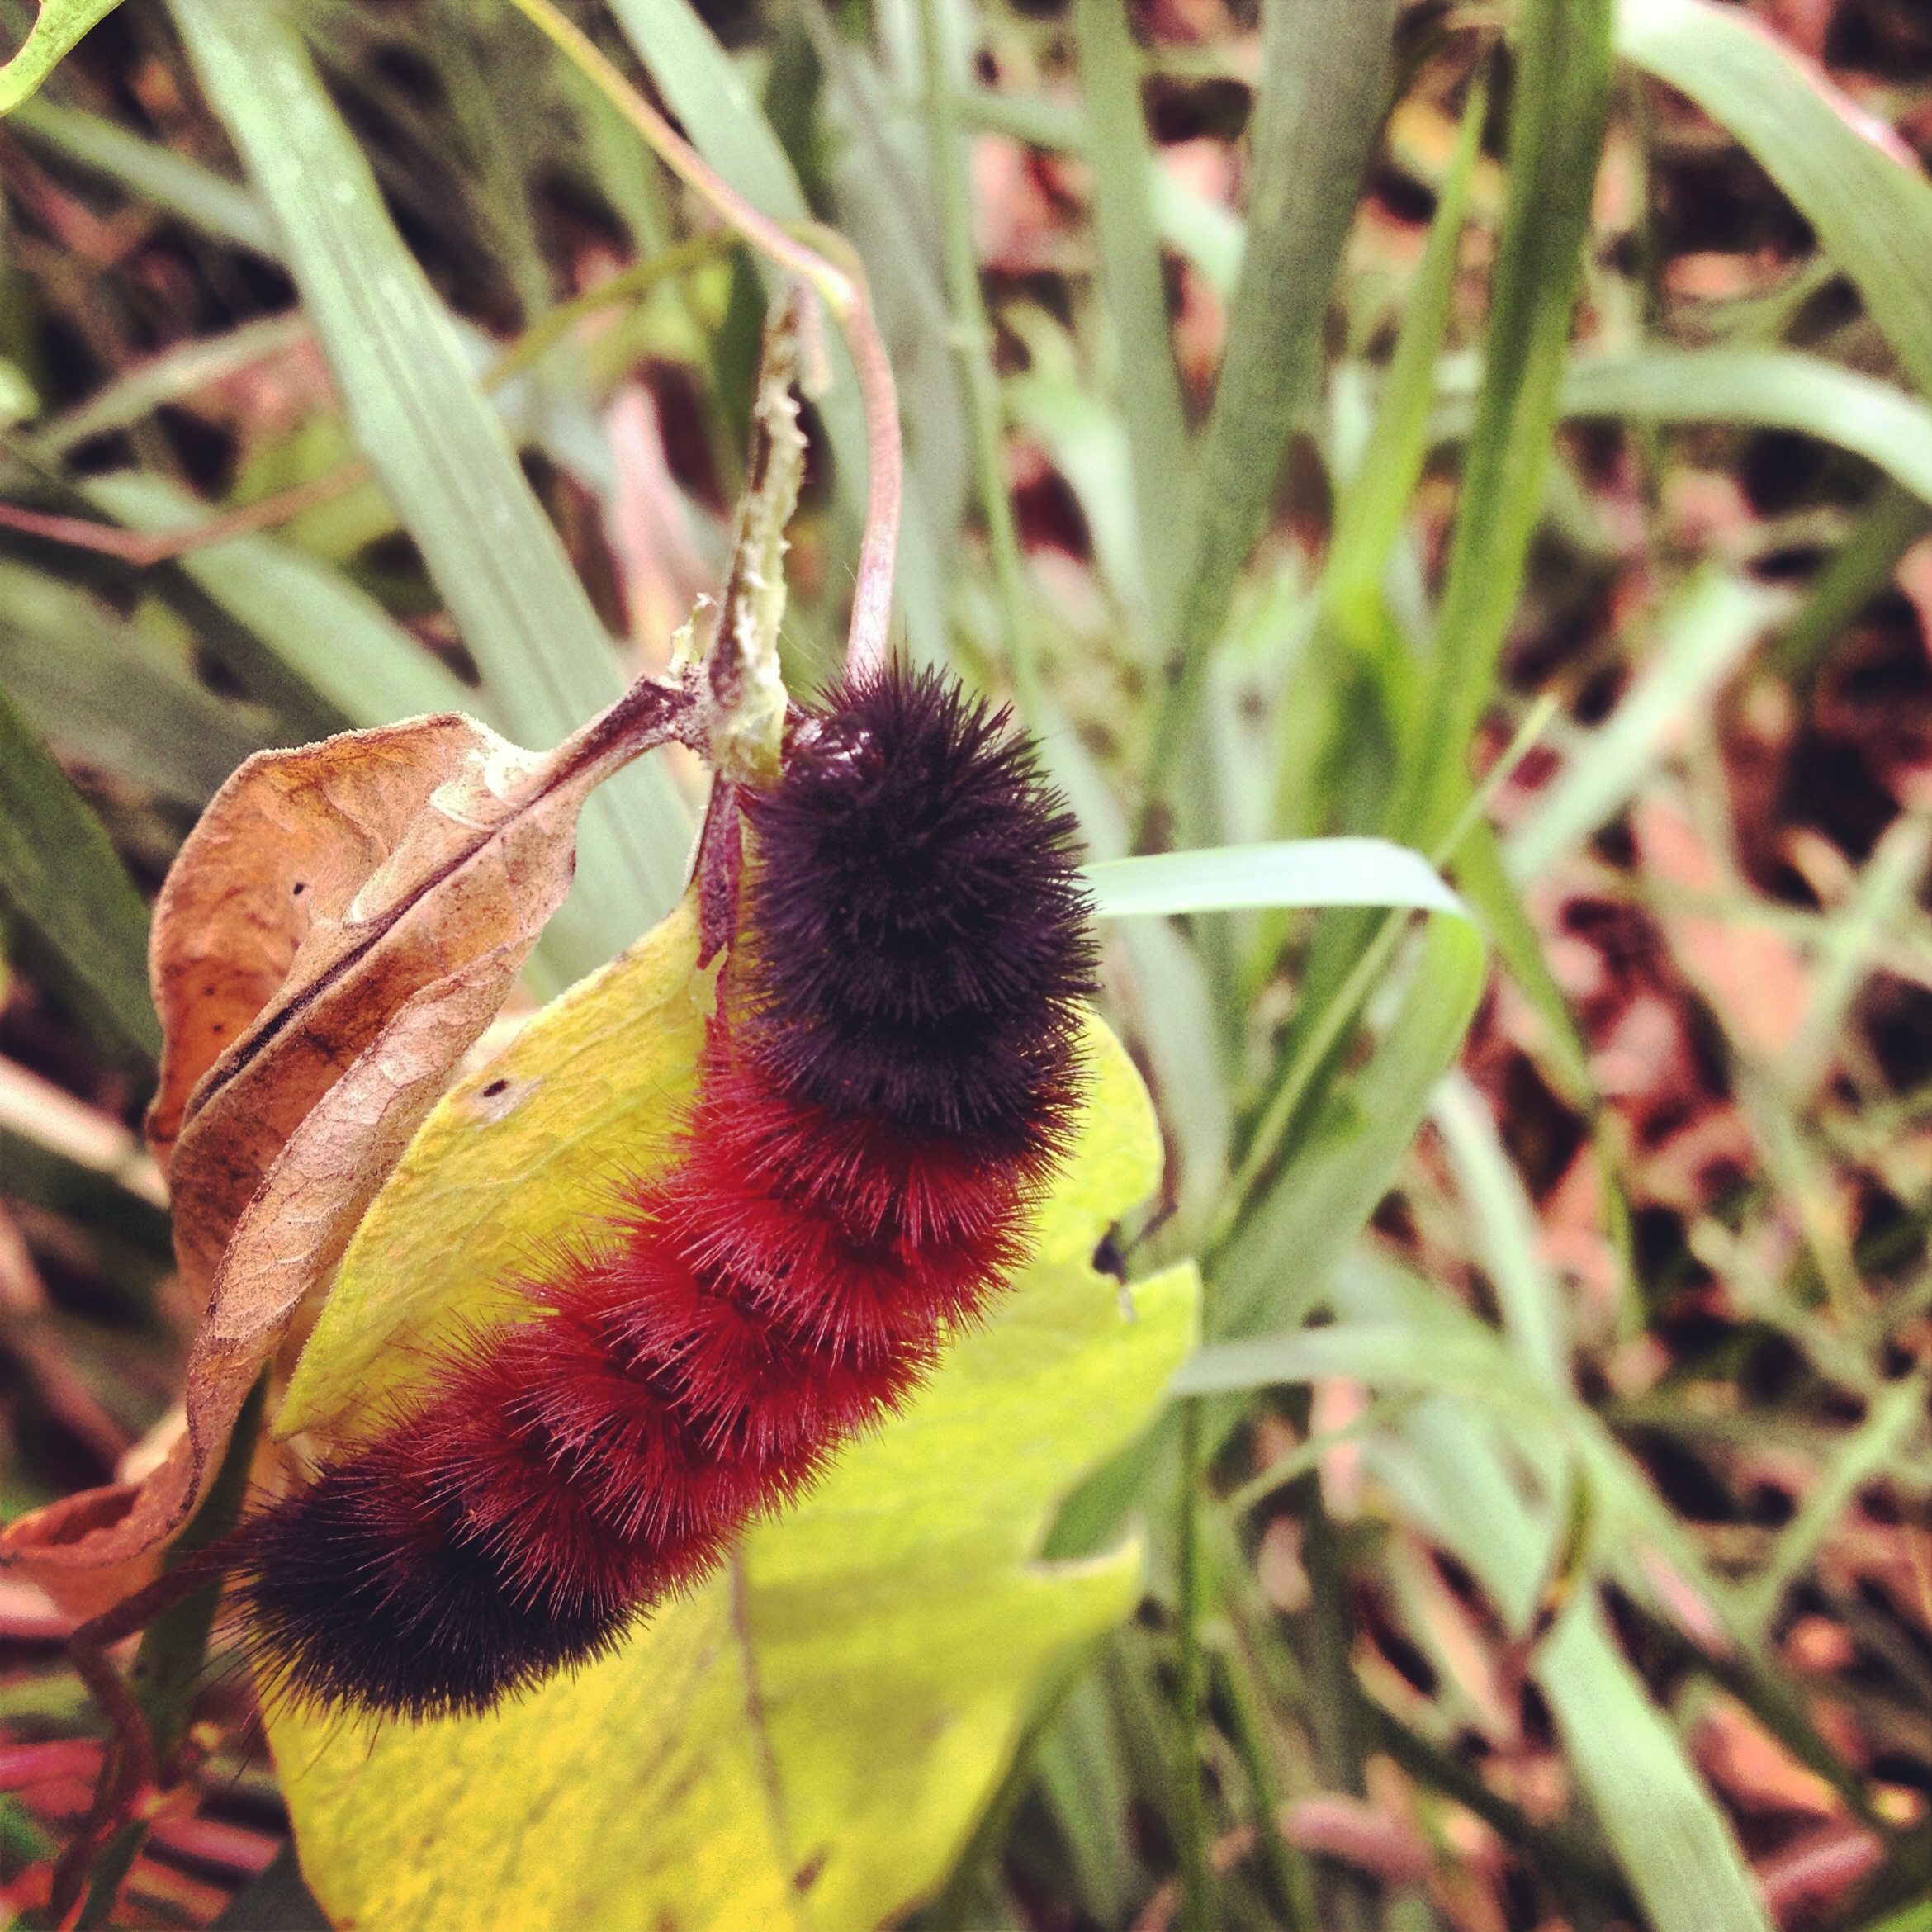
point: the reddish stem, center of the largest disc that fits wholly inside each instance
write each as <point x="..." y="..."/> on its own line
<point x="146" y="550"/>
<point x="128" y="1768"/>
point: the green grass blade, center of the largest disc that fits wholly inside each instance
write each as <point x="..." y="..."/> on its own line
<point x="59" y="875"/>
<point x="1088" y="443"/>
<point x="1714" y="621"/>
<point x="1443" y="1458"/>
<point x="1770" y="388"/>
<point x="1481" y="880"/>
<point x="1502" y="1222"/>
<point x="1666" y="1829"/>
<point x="1289" y="872"/>
<point x="168" y="378"/>
<point x="1135" y="284"/>
<point x="1471" y="1367"/>
<point x="1170" y="999"/>
<point x="112" y="692"/>
<point x="1854" y="938"/>
<point x="972" y="343"/>
<point x="1369" y="512"/>
<point x="442" y="456"/>
<point x="1276" y="1265"/>
<point x="56" y="29"/>
<point x="336" y="639"/>
<point x="211" y="202"/>
<point x="1446" y="1461"/>
<point x="1324" y="88"/>
<point x="1862" y="1454"/>
<point x="1859" y="570"/>
<point x="1870" y="206"/>
<point x="1206" y="234"/>
<point x="1562" y="91"/>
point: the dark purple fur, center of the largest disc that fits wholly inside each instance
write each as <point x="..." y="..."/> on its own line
<point x="921" y="928"/>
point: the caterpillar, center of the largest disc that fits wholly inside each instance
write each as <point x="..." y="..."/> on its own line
<point x="886" y="1088"/>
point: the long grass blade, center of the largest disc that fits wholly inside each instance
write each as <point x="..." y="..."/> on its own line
<point x="1710" y="626"/>
<point x="1369" y="514"/>
<point x="1324" y="84"/>
<point x="59" y="875"/>
<point x="1504" y="1222"/>
<point x="1136" y="288"/>
<point x="1766" y="389"/>
<point x="1562" y="95"/>
<point x="442" y="456"/>
<point x="220" y="207"/>
<point x="1276" y="1264"/>
<point x="335" y="638"/>
<point x="110" y="691"/>
<point x="1293" y="872"/>
<point x="1848" y="174"/>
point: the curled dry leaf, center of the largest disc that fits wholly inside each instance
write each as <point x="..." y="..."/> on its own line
<point x="342" y="925"/>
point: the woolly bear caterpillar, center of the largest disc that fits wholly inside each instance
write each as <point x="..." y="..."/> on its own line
<point x="887" y="1087"/>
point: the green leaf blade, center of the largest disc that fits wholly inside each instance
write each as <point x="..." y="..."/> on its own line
<point x="1562" y="96"/>
<point x="1130" y="263"/>
<point x="1844" y="172"/>
<point x="1325" y="80"/>
<point x="61" y="875"/>
<point x="1285" y="873"/>
<point x="1278" y="1265"/>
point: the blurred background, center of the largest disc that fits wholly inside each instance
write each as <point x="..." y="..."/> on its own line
<point x="1309" y="409"/>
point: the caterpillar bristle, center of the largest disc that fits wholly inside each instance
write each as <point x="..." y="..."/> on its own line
<point x="888" y="1086"/>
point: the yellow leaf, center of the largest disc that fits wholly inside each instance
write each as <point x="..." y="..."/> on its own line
<point x="808" y="1739"/>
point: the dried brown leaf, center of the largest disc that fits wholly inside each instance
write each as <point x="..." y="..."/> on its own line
<point x="337" y="932"/>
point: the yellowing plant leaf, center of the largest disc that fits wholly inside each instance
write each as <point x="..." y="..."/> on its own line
<point x="807" y="1741"/>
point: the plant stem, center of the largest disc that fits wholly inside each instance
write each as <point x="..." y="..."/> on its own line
<point x="629" y="285"/>
<point x="972" y="340"/>
<point x="1316" y="1053"/>
<point x="109" y="1870"/>
<point x="1331" y="1692"/>
<point x="842" y="289"/>
<point x="150" y="1714"/>
<point x="1190" y="1824"/>
<point x="174" y="1645"/>
<point x="143" y="549"/>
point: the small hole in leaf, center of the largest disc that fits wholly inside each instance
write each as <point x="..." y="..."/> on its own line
<point x="494" y="1088"/>
<point x="299" y="887"/>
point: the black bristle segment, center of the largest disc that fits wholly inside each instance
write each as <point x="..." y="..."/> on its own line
<point x="921" y="927"/>
<point x="357" y="1600"/>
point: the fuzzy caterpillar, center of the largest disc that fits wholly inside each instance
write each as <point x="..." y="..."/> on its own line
<point x="886" y="1089"/>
